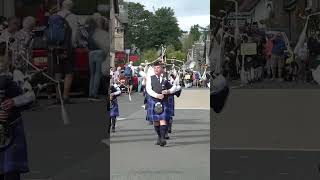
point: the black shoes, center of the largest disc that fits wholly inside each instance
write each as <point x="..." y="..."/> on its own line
<point x="158" y="142"/>
<point x="166" y="136"/>
<point x="161" y="142"/>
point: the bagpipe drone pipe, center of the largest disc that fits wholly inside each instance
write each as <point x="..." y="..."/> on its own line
<point x="219" y="92"/>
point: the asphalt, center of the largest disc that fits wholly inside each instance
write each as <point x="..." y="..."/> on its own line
<point x="72" y="152"/>
<point x="267" y="134"/>
<point x="134" y="155"/>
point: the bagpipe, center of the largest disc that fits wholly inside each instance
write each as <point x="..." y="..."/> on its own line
<point x="31" y="76"/>
<point x="219" y="92"/>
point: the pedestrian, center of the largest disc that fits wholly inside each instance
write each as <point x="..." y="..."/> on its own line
<point x="141" y="76"/>
<point x="61" y="58"/>
<point x="114" y="106"/>
<point x="277" y="57"/>
<point x="129" y="73"/>
<point x="158" y="90"/>
<point x="96" y="57"/>
<point x="23" y="45"/>
<point x="8" y="34"/>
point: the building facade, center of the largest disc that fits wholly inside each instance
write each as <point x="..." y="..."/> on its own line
<point x="118" y="22"/>
<point x="282" y="15"/>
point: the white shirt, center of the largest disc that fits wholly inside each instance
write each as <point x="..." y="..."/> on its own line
<point x="116" y="75"/>
<point x="154" y="94"/>
<point x="118" y="92"/>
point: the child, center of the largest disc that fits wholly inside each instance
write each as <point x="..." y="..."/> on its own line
<point x="114" y="107"/>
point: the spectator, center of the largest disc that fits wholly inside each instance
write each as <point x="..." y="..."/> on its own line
<point x="141" y="76"/>
<point x="268" y="54"/>
<point x="96" y="56"/>
<point x="129" y="73"/>
<point x="13" y="27"/>
<point x="278" y="55"/>
<point x="23" y="44"/>
<point x="64" y="53"/>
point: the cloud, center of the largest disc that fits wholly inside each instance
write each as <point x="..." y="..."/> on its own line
<point x="188" y="12"/>
<point x="186" y="22"/>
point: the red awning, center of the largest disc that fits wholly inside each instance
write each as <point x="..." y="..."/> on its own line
<point x="134" y="58"/>
<point x="120" y="55"/>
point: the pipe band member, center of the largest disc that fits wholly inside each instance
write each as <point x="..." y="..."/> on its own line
<point x="13" y="158"/>
<point x="158" y="110"/>
<point x="114" y="107"/>
<point x="174" y="80"/>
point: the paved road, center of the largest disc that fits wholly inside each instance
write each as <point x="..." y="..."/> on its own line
<point x="268" y="135"/>
<point x="134" y="155"/>
<point x="73" y="152"/>
<point x="268" y="84"/>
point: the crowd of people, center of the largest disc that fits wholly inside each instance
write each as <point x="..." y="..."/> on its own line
<point x="274" y="59"/>
<point x="131" y="78"/>
<point x="159" y="88"/>
<point x="17" y="40"/>
<point x="52" y="25"/>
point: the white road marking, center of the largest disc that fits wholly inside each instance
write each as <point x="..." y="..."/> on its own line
<point x="267" y="149"/>
<point x="192" y="108"/>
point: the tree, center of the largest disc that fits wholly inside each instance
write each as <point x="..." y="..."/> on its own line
<point x="138" y="27"/>
<point x="165" y="29"/>
<point x="150" y="55"/>
<point x="195" y="32"/>
<point x="172" y="53"/>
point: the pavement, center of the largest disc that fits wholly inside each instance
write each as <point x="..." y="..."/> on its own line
<point x="134" y="155"/>
<point x="276" y="84"/>
<point x="67" y="152"/>
<point x="267" y="134"/>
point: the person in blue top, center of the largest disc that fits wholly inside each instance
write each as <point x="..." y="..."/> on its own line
<point x="277" y="57"/>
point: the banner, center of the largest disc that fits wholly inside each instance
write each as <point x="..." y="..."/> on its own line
<point x="248" y="49"/>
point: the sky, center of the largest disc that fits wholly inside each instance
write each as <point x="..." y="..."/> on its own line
<point x="188" y="12"/>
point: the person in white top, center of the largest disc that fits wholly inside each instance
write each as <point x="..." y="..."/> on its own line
<point x="116" y="75"/>
<point x="158" y="111"/>
<point x="141" y="75"/>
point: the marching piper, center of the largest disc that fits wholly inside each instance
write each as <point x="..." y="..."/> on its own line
<point x="158" y="110"/>
<point x="174" y="80"/>
<point x="114" y="107"/>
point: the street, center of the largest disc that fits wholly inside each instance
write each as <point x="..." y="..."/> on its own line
<point x="269" y="134"/>
<point x="72" y="152"/>
<point x="186" y="156"/>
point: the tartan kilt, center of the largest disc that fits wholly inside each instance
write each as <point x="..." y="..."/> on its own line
<point x="171" y="104"/>
<point x="114" y="111"/>
<point x="152" y="116"/>
<point x="15" y="158"/>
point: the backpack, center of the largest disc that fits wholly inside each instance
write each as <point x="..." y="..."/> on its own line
<point x="57" y="29"/>
<point x="128" y="72"/>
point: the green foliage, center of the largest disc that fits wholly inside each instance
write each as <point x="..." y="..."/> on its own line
<point x="138" y="27"/>
<point x="147" y="30"/>
<point x="150" y="55"/>
<point x="165" y="28"/>
<point x="195" y="32"/>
